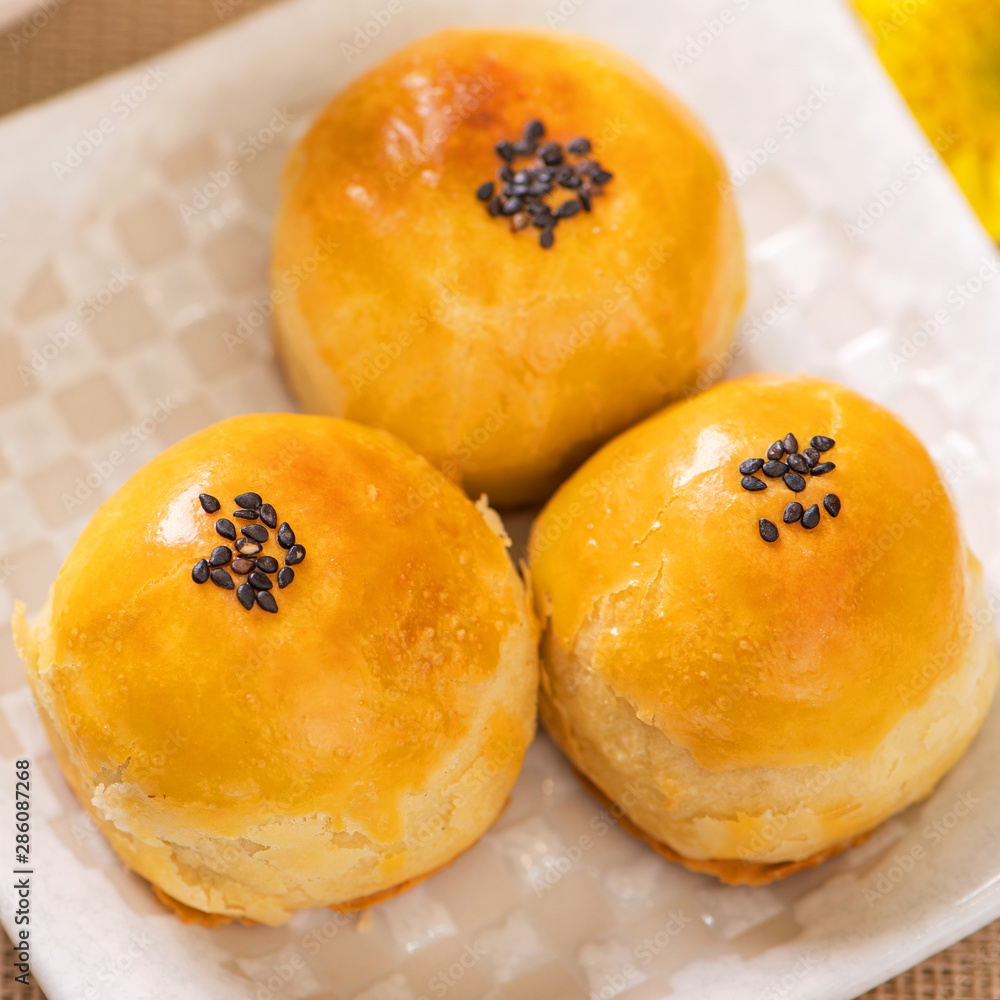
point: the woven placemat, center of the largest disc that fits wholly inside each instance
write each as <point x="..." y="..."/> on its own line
<point x="68" y="42"/>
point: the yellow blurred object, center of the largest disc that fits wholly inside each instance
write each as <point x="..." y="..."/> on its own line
<point x="944" y="56"/>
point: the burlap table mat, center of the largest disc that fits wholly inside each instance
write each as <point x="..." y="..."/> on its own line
<point x="72" y="41"/>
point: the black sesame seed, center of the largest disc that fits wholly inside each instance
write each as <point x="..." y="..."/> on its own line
<point x="269" y="515"/>
<point x="811" y="517"/>
<point x="485" y="191"/>
<point x="511" y="206"/>
<point x="505" y="173"/>
<point x="495" y="205"/>
<point x="751" y="465"/>
<point x="768" y="530"/>
<point x="822" y="469"/>
<point x="798" y="463"/>
<point x="578" y="147"/>
<point x="525" y="147"/>
<point x="247" y="546"/>
<point x="286" y="537"/>
<point x="251" y="500"/>
<point x="222" y="579"/>
<point x="295" y="555"/>
<point x="537" y="188"/>
<point x="793" y="512"/>
<point x="568" y="209"/>
<point x="267" y="564"/>
<point x="247" y="515"/>
<point x="811" y="455"/>
<point x="603" y="176"/>
<point x="752" y="484"/>
<point x="588" y="167"/>
<point x="505" y="150"/>
<point x="255" y="532"/>
<point x="794" y="481"/>
<point x="535" y="129"/>
<point x="571" y="181"/>
<point x="226" y="528"/>
<point x="220" y="556"/>
<point x="243" y="566"/>
<point x="551" y="154"/>
<point x="245" y="594"/>
<point x="259" y="581"/>
<point x="522" y="177"/>
<point x="585" y="199"/>
<point x="821" y="443"/>
<point x="267" y="602"/>
<point x="775" y="451"/>
<point x="832" y="504"/>
<point x="774" y="469"/>
<point x="200" y="572"/>
<point x="209" y="503"/>
<point x="791" y="443"/>
<point x="285" y="577"/>
<point x="547" y="238"/>
<point x="545" y="219"/>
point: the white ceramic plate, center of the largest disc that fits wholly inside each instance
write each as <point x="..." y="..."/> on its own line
<point x="134" y="289"/>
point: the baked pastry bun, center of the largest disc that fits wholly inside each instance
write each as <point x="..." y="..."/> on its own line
<point x="353" y="728"/>
<point x="753" y="705"/>
<point x="404" y="300"/>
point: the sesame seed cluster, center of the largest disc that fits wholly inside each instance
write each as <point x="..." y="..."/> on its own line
<point x="249" y="560"/>
<point x="519" y="194"/>
<point x="784" y="461"/>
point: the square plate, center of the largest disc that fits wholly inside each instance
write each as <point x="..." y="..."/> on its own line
<point x="134" y="219"/>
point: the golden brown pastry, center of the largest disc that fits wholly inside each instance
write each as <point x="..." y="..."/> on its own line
<point x="758" y="665"/>
<point x="406" y="297"/>
<point x="341" y="707"/>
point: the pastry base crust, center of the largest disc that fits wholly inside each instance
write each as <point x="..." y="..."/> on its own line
<point x="189" y="915"/>
<point x="729" y="871"/>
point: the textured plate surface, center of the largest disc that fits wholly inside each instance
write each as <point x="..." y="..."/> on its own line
<point x="133" y="310"/>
